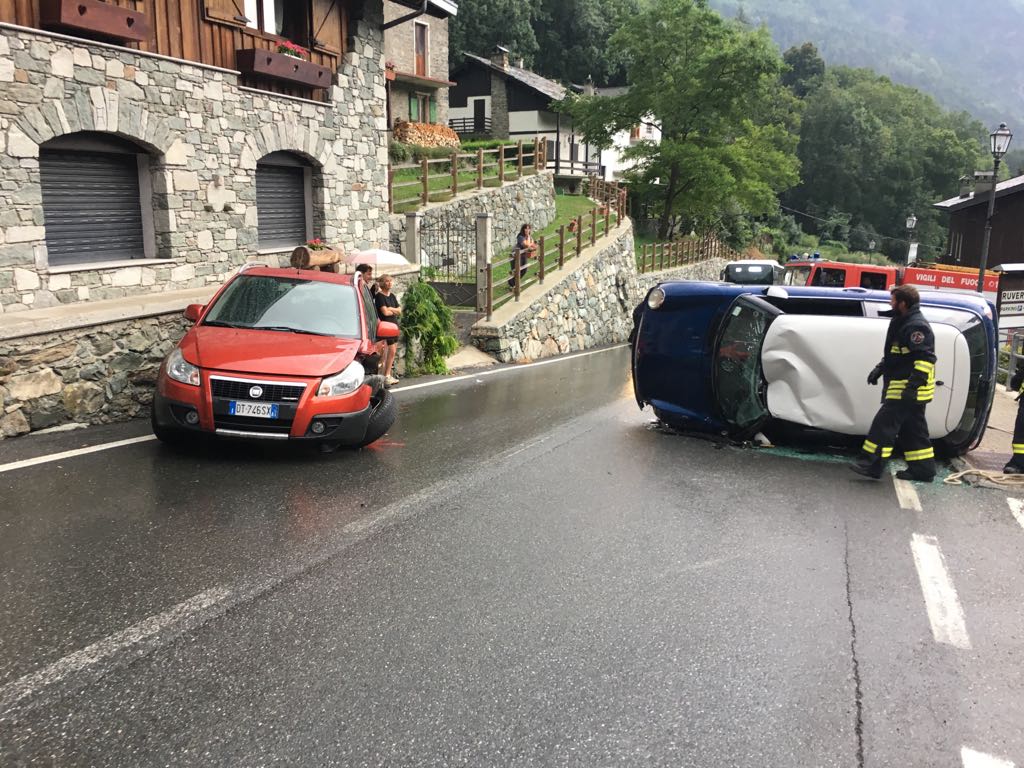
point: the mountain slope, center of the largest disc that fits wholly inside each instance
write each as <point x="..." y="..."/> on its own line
<point x="969" y="56"/>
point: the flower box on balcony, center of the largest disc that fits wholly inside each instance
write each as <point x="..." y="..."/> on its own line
<point x="95" y="18"/>
<point x="279" y="66"/>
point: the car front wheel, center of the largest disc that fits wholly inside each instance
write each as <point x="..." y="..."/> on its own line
<point x="383" y="415"/>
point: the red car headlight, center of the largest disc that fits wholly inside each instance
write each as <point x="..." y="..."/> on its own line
<point x="180" y="369"/>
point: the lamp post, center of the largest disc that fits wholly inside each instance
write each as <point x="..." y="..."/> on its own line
<point x="911" y="223"/>
<point x="999" y="144"/>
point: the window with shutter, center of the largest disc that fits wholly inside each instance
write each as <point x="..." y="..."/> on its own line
<point x="92" y="207"/>
<point x="231" y="11"/>
<point x="282" y="200"/>
<point x="414" y="108"/>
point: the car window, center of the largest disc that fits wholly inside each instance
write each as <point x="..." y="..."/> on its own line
<point x="294" y="304"/>
<point x="829" y="278"/>
<point x="875" y="281"/>
<point x="749" y="274"/>
<point x="737" y="381"/>
<point x="797" y="275"/>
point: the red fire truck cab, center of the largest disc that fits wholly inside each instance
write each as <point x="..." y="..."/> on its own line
<point x="839" y="274"/>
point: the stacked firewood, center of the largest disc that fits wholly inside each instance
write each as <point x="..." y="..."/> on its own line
<point x="426" y="135"/>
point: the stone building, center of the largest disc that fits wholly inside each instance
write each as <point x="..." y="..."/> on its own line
<point x="149" y="149"/>
<point x="416" y="54"/>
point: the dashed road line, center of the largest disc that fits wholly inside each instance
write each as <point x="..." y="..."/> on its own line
<point x="907" y="494"/>
<point x="1016" y="509"/>
<point x="944" y="610"/>
<point x="974" y="759"/>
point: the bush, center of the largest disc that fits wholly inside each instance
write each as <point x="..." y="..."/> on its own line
<point x="399" y="152"/>
<point x="473" y="146"/>
<point x="426" y="318"/>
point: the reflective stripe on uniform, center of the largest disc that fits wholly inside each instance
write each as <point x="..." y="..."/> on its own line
<point x="924" y="366"/>
<point x="1018" y="449"/>
<point x="886" y="453"/>
<point x="898" y="350"/>
<point x="921" y="455"/>
<point x="870" y="447"/>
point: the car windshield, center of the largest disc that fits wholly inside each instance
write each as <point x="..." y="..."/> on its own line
<point x="285" y="304"/>
<point x="797" y="275"/>
<point x="749" y="274"/>
<point x="738" y="365"/>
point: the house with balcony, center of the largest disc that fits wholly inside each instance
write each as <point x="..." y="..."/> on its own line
<point x="416" y="61"/>
<point x="497" y="98"/>
<point x="148" y="148"/>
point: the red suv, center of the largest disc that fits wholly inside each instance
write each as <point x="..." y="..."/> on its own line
<point x="278" y="354"/>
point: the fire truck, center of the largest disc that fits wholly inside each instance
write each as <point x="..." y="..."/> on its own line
<point x="839" y="274"/>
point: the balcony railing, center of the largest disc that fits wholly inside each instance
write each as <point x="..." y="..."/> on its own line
<point x="465" y="126"/>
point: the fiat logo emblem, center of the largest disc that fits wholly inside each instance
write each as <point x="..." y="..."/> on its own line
<point x="256" y="392"/>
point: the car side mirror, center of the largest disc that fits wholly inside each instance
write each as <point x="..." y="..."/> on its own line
<point x="194" y="311"/>
<point x="386" y="330"/>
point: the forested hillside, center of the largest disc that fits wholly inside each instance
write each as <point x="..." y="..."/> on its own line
<point x="968" y="55"/>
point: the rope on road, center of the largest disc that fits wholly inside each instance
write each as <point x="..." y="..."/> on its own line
<point x="988" y="476"/>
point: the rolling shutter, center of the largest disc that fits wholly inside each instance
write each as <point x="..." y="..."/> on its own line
<point x="281" y="205"/>
<point x="91" y="206"/>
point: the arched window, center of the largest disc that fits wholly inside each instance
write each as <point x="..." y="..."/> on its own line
<point x="284" y="200"/>
<point x="97" y="199"/>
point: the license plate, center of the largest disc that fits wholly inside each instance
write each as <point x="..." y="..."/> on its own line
<point x="258" y="410"/>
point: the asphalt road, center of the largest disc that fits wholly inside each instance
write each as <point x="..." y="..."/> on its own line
<point x="524" y="572"/>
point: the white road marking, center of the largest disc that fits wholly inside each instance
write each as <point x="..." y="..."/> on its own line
<point x="52" y="457"/>
<point x="78" y="661"/>
<point x="907" y="494"/>
<point x="973" y="759"/>
<point x="944" y="610"/>
<point x="495" y="371"/>
<point x="1017" y="509"/>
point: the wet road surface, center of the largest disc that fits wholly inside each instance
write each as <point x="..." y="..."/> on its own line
<point x="522" y="573"/>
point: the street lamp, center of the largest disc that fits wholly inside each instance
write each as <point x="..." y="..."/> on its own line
<point x="999" y="144"/>
<point x="911" y="223"/>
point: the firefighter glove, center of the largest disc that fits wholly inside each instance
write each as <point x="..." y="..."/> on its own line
<point x="875" y="375"/>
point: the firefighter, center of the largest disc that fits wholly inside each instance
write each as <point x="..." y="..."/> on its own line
<point x="908" y="373"/>
<point x="1015" y="466"/>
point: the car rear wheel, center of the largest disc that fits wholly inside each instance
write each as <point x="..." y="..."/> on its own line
<point x="383" y="415"/>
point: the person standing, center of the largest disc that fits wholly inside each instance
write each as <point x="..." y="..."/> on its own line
<point x="388" y="309"/>
<point x="908" y="373"/>
<point x="525" y="247"/>
<point x="1015" y="466"/>
<point x="366" y="275"/>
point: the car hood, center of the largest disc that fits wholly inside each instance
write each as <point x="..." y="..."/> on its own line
<point x="277" y="353"/>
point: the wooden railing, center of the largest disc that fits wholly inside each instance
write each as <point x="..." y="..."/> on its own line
<point x="653" y="257"/>
<point x="437" y="180"/>
<point x="470" y="125"/>
<point x="509" y="276"/>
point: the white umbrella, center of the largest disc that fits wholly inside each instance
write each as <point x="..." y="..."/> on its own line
<point x="377" y="257"/>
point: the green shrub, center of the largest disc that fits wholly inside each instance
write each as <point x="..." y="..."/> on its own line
<point x="473" y="146"/>
<point x="426" y="318"/>
<point x="399" y="152"/>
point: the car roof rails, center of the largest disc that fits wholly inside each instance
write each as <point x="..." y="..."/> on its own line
<point x="251" y="265"/>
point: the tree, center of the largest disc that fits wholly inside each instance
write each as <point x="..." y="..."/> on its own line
<point x="573" y="37"/>
<point x="804" y="69"/>
<point x="481" y="25"/>
<point x="712" y="87"/>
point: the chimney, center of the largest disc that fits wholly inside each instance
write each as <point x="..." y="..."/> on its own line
<point x="520" y="63"/>
<point x="983" y="181"/>
<point x="966" y="186"/>
<point x="588" y="87"/>
<point x="500" y="58"/>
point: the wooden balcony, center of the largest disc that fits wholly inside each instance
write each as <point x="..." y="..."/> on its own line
<point x="261" y="63"/>
<point x="95" y="19"/>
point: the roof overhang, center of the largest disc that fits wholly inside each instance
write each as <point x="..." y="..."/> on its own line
<point x="436" y="7"/>
<point x="423" y="82"/>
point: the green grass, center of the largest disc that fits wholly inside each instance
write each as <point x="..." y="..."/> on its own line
<point x="406" y="199"/>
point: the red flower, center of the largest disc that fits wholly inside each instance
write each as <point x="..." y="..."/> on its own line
<point x="288" y="48"/>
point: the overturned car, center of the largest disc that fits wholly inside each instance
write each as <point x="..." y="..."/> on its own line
<point x="737" y="360"/>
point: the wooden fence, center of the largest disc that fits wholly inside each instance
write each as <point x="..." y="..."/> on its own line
<point x="509" y="276"/>
<point x="439" y="179"/>
<point x="691" y="250"/>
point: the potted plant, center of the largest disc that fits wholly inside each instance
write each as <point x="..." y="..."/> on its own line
<point x="288" y="48"/>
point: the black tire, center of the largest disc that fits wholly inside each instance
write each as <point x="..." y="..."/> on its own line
<point x="383" y="415"/>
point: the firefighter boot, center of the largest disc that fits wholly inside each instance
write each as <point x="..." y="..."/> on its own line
<point x="868" y="467"/>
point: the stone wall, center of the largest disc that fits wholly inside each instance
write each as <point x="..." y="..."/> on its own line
<point x="89" y="375"/>
<point x="587" y="305"/>
<point x="201" y="135"/>
<point x="531" y="199"/>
